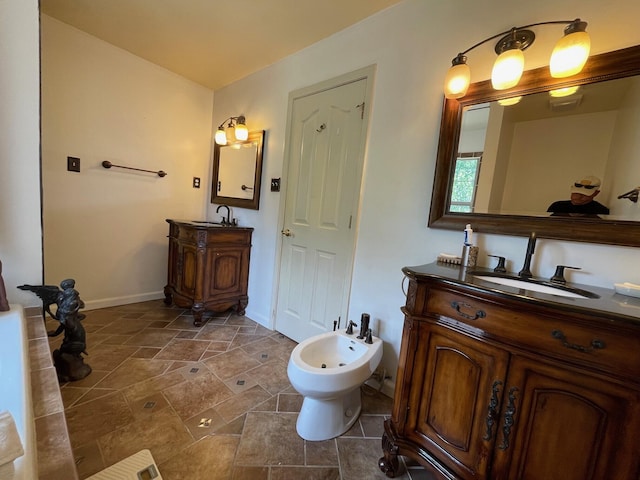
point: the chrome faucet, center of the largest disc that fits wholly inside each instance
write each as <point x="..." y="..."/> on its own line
<point x="226" y="219"/>
<point x="531" y="248"/>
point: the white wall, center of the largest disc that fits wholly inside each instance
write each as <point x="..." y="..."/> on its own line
<point x="624" y="152"/>
<point x="541" y="172"/>
<point x="20" y="231"/>
<point x="412" y="45"/>
<point x="106" y="228"/>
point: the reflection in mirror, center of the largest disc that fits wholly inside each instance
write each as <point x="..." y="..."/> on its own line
<point x="535" y="150"/>
<point x="500" y="167"/>
<point x="237" y="172"/>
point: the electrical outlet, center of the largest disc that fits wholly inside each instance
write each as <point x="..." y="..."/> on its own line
<point x="196" y="182"/>
<point x="73" y="164"/>
<point x="275" y="184"/>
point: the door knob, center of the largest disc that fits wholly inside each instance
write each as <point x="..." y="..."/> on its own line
<point x="287" y="233"/>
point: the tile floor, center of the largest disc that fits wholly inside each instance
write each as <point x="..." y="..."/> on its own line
<point x="210" y="402"/>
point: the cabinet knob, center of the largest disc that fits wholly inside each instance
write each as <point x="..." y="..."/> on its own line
<point x="287" y="233"/>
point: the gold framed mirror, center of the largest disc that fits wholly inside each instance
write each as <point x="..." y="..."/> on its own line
<point x="605" y="229"/>
<point x="237" y="172"/>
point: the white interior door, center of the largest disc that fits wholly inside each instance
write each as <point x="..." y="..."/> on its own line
<point x="326" y="152"/>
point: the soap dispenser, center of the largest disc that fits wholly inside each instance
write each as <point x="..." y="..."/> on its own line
<point x="469" y="251"/>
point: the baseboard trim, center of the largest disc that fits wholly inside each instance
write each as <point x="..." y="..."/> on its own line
<point x="124" y="300"/>
<point x="389" y="387"/>
<point x="256" y="317"/>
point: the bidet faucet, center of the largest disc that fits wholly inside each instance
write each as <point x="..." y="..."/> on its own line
<point x="531" y="248"/>
<point x="369" y="338"/>
<point x="350" y="327"/>
<point x="226" y="219"/>
<point x="364" y="325"/>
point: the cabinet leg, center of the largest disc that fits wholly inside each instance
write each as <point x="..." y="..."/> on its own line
<point x="197" y="311"/>
<point x="168" y="300"/>
<point x="242" y="306"/>
<point x="389" y="463"/>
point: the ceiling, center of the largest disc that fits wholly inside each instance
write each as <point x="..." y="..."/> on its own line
<point x="212" y="42"/>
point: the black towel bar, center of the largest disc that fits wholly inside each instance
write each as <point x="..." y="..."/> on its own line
<point x="108" y="164"/>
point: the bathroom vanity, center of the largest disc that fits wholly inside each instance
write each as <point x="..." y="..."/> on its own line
<point x="496" y="382"/>
<point x="208" y="267"/>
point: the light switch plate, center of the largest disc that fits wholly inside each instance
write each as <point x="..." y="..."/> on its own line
<point x="73" y="164"/>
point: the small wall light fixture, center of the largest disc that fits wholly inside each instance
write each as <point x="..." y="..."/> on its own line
<point x="568" y="57"/>
<point x="237" y="127"/>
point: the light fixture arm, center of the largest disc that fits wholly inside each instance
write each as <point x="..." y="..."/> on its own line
<point x="570" y="23"/>
<point x="240" y="119"/>
<point x="631" y="195"/>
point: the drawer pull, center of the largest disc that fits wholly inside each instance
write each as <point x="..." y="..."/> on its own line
<point x="492" y="413"/>
<point x="595" y="344"/>
<point x="458" y="305"/>
<point x="508" y="418"/>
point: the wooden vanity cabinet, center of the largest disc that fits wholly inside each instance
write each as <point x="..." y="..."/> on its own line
<point x="477" y="398"/>
<point x="208" y="267"/>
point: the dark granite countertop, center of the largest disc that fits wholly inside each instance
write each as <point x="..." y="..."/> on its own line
<point x="205" y="224"/>
<point x="609" y="304"/>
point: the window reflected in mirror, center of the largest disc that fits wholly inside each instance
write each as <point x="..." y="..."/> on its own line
<point x="465" y="182"/>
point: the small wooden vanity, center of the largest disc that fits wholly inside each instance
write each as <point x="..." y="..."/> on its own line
<point x="503" y="384"/>
<point x="208" y="267"/>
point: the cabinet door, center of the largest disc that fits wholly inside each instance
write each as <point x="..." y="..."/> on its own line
<point x="228" y="269"/>
<point x="566" y="425"/>
<point x="457" y="393"/>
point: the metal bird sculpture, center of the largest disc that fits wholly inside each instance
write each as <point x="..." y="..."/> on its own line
<point x="49" y="295"/>
<point x="68" y="360"/>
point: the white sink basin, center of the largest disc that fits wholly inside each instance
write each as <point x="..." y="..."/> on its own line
<point x="531" y="286"/>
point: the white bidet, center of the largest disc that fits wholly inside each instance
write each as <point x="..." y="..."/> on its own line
<point x="328" y="370"/>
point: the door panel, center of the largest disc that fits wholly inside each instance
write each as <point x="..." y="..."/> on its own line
<point x="323" y="288"/>
<point x="292" y="300"/>
<point x="326" y="138"/>
<point x="302" y="180"/>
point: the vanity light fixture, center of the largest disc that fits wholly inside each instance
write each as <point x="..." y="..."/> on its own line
<point x="236" y="126"/>
<point x="568" y="57"/>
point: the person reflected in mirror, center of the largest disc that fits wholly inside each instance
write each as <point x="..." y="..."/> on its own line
<point x="582" y="202"/>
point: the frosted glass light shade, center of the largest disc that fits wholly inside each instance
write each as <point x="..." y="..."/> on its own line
<point x="457" y="81"/>
<point x="507" y="102"/>
<point x="570" y="54"/>
<point x="241" y="132"/>
<point x="563" y="92"/>
<point x="507" y="69"/>
<point x="221" y="137"/>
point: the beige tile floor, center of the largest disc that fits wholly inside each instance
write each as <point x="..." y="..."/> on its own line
<point x="210" y="402"/>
